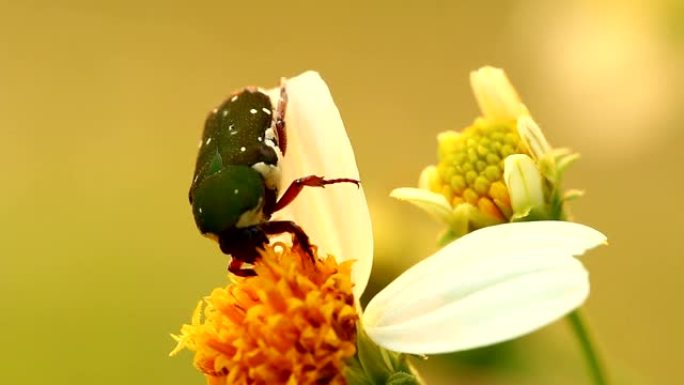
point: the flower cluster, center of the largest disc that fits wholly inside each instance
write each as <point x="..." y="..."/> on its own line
<point x="298" y="321"/>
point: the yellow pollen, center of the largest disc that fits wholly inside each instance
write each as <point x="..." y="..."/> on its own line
<point x="292" y="323"/>
<point x="470" y="168"/>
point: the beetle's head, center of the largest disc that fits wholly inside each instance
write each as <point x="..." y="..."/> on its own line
<point x="243" y="243"/>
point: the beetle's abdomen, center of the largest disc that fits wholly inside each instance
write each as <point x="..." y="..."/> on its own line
<point x="226" y="197"/>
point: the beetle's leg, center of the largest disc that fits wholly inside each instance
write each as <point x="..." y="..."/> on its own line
<point x="310" y="181"/>
<point x="280" y="117"/>
<point x="298" y="235"/>
<point x="235" y="267"/>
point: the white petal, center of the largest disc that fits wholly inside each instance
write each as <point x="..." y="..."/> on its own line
<point x="491" y="285"/>
<point x="495" y="94"/>
<point x="513" y="307"/>
<point x="524" y="183"/>
<point x="533" y="136"/>
<point x="336" y="218"/>
<point x="433" y="203"/>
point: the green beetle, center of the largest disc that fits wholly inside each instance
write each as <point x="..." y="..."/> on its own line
<point x="235" y="186"/>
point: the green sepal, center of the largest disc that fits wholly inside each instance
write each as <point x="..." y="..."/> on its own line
<point x="522" y="216"/>
<point x="553" y="167"/>
<point x="530" y="215"/>
<point x="374" y="362"/>
<point x="355" y="374"/>
<point x="403" y="378"/>
<point x="374" y="365"/>
<point x="446" y="237"/>
<point x="565" y="161"/>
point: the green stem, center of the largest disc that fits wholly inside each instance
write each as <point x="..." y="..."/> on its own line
<point x="579" y="327"/>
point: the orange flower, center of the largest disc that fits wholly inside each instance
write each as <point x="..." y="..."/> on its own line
<point x="293" y="323"/>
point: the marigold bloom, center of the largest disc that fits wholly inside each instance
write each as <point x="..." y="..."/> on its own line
<point x="293" y="323"/>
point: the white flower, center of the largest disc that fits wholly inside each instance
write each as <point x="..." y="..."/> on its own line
<point x="499" y="169"/>
<point x="488" y="286"/>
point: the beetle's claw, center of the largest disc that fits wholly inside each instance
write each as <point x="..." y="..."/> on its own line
<point x="235" y="268"/>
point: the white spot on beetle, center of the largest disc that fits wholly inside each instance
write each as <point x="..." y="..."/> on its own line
<point x="230" y="128"/>
<point x="224" y="113"/>
<point x="195" y="180"/>
<point x="200" y="210"/>
<point x="236" y="191"/>
<point x="266" y="110"/>
<point x="243" y="149"/>
<point x="208" y="141"/>
<point x="252" y="217"/>
<point x="233" y="132"/>
<point x="253" y="111"/>
<point x="259" y="138"/>
<point x="234" y="98"/>
<point x="269" y="138"/>
<point x="215" y="110"/>
<point x="271" y="174"/>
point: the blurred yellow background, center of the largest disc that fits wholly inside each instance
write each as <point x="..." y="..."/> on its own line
<point x="102" y="103"/>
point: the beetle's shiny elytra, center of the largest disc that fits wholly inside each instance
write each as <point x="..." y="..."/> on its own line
<point x="237" y="164"/>
<point x="237" y="177"/>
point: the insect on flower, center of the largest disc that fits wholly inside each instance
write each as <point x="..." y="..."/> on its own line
<point x="237" y="176"/>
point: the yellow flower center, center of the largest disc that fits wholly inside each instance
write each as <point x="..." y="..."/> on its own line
<point x="470" y="167"/>
<point x="292" y="323"/>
